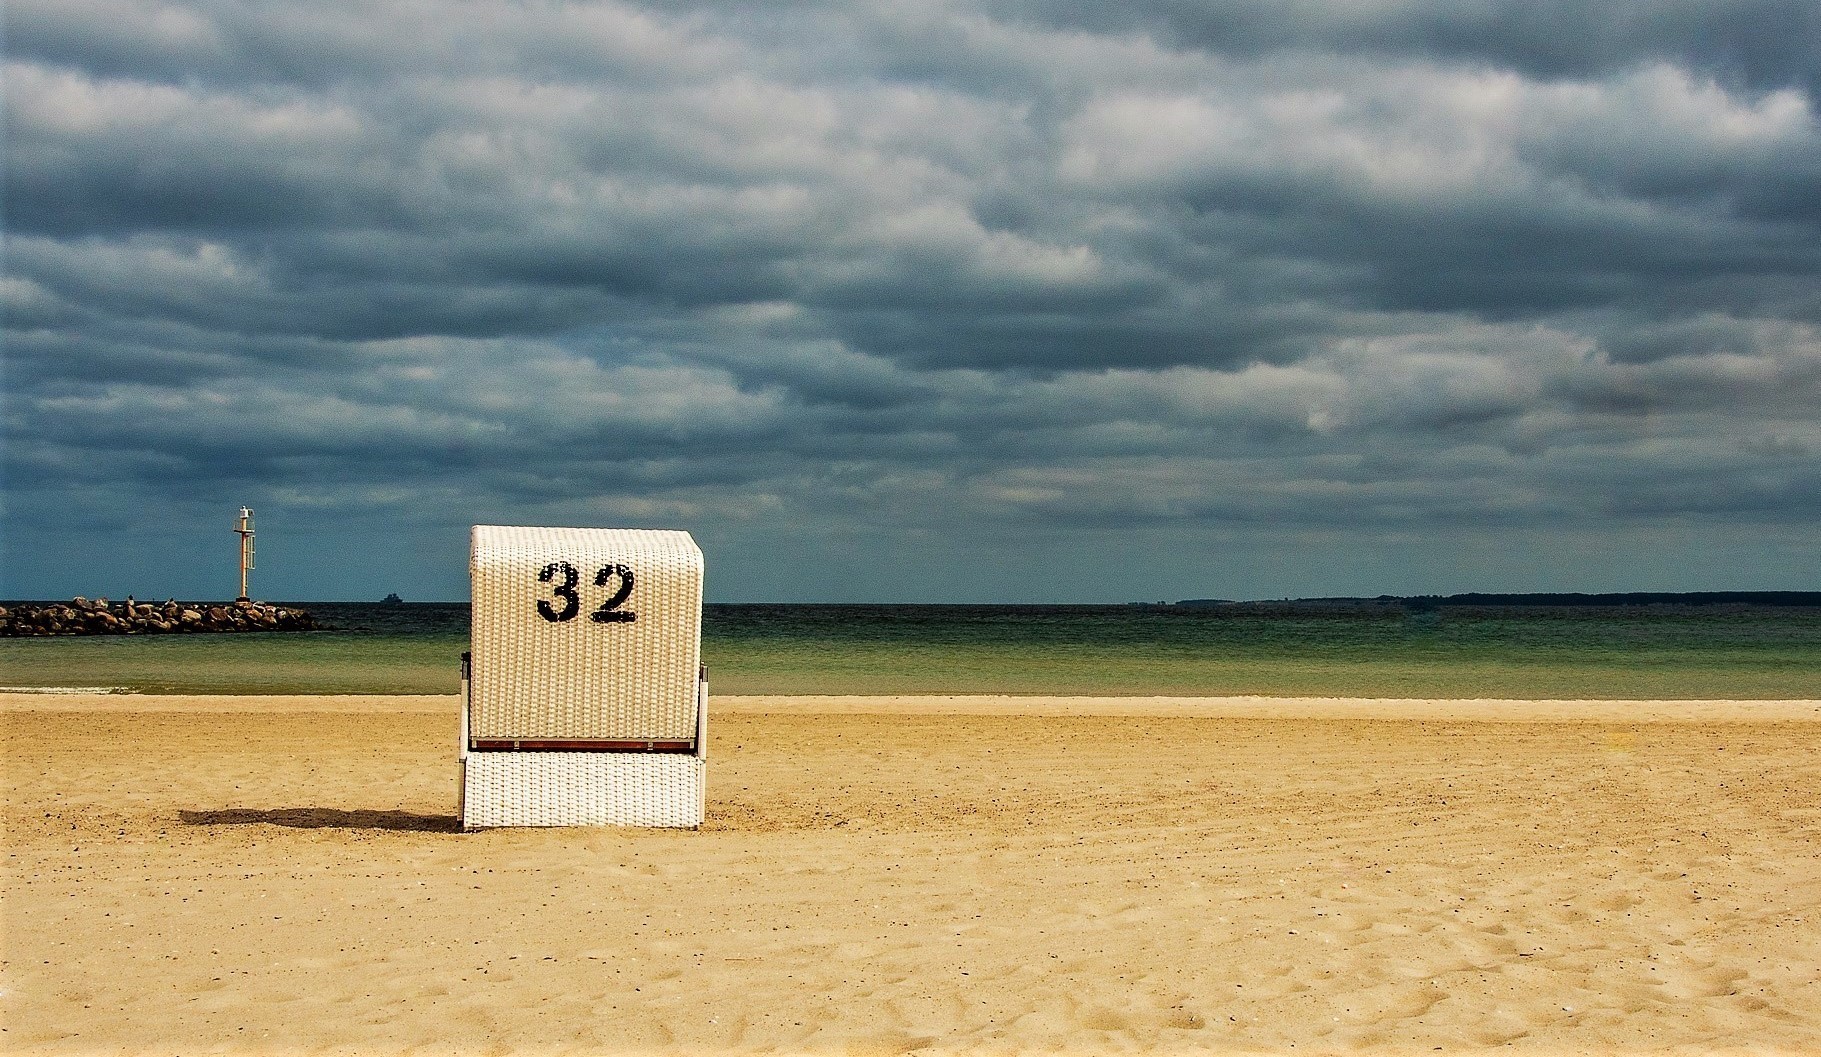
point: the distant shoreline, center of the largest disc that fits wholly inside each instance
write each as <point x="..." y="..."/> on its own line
<point x="1561" y="599"/>
<point x="1792" y="599"/>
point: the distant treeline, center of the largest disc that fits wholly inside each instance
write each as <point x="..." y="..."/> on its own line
<point x="1558" y="599"/>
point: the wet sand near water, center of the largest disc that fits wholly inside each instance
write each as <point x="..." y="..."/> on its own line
<point x="889" y="875"/>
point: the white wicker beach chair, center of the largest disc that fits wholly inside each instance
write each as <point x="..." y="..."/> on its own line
<point x="584" y="699"/>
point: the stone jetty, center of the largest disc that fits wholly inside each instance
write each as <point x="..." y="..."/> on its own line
<point x="81" y="616"/>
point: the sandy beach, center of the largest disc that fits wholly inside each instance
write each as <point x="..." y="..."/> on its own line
<point x="890" y="875"/>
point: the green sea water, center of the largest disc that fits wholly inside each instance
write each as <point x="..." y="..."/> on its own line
<point x="1676" y="652"/>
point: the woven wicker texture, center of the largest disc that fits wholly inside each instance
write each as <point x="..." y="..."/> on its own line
<point x="585" y="633"/>
<point x="582" y="789"/>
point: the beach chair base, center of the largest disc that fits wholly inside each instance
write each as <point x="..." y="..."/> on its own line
<point x="582" y="789"/>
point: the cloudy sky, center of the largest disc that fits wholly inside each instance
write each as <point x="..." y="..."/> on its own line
<point x="991" y="300"/>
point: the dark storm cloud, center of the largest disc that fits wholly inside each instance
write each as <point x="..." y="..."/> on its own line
<point x="1760" y="43"/>
<point x="914" y="274"/>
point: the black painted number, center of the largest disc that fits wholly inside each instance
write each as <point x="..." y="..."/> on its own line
<point x="572" y="602"/>
<point x="565" y="579"/>
<point x="610" y="611"/>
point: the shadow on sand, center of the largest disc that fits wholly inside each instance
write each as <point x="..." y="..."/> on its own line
<point x="324" y="818"/>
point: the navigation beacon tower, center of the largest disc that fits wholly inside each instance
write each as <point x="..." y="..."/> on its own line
<point x="244" y="528"/>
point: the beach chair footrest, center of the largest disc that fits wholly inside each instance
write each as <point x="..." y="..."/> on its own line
<point x="551" y="788"/>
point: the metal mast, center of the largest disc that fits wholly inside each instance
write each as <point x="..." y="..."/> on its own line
<point x="245" y="530"/>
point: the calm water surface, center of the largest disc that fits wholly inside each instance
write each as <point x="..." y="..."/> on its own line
<point x="1696" y="652"/>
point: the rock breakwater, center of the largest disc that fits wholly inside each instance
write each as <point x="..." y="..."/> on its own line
<point x="81" y="616"/>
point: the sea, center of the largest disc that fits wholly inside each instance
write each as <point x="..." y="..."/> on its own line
<point x="1738" y="651"/>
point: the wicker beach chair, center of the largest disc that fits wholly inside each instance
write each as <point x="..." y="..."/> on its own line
<point x="584" y="700"/>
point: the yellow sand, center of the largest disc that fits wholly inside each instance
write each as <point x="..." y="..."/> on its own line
<point x="882" y="875"/>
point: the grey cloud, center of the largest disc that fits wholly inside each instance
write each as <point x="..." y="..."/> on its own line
<point x="1762" y="43"/>
<point x="342" y="43"/>
<point x="942" y="277"/>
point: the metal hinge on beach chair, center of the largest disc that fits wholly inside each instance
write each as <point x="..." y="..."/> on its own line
<point x="584" y="699"/>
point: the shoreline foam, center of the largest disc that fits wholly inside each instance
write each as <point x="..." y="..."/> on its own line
<point x="1466" y="710"/>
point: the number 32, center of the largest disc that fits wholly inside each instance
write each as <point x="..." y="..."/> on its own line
<point x="565" y="589"/>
